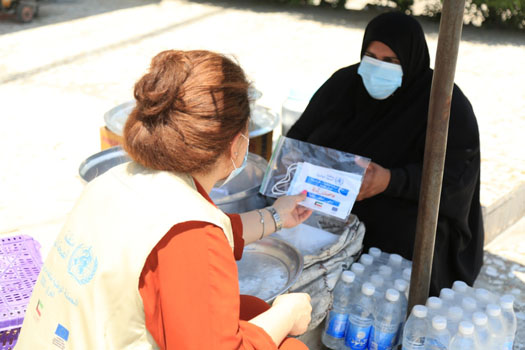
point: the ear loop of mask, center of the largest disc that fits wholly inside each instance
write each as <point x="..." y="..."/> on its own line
<point x="281" y="187"/>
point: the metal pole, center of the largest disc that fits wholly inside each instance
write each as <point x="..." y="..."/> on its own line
<point x="435" y="148"/>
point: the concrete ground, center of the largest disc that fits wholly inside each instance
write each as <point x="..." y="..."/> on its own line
<point x="79" y="58"/>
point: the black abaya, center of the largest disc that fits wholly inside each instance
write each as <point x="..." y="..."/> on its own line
<point x="391" y="133"/>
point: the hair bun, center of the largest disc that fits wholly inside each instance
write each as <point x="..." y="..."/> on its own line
<point x="161" y="90"/>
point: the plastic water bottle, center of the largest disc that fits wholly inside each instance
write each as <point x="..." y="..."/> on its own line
<point x="483" y="298"/>
<point x="454" y="317"/>
<point x="509" y="320"/>
<point x="495" y="325"/>
<point x="481" y="331"/>
<point x="448" y="297"/>
<point x="385" y="272"/>
<point x="401" y="286"/>
<point x="338" y="317"/>
<point x="359" y="271"/>
<point x="462" y="290"/>
<point x="435" y="307"/>
<point x="395" y="261"/>
<point x="416" y="329"/>
<point x="438" y="338"/>
<point x="375" y="253"/>
<point x="360" y="319"/>
<point x="367" y="261"/>
<point x="379" y="284"/>
<point x="464" y="340"/>
<point x="406" y="263"/>
<point x="407" y="274"/>
<point x="386" y="323"/>
<point x="469" y="306"/>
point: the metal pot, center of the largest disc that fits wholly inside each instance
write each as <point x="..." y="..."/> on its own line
<point x="239" y="195"/>
<point x="262" y="123"/>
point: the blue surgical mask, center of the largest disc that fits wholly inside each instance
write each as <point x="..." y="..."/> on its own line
<point x="236" y="171"/>
<point x="380" y="78"/>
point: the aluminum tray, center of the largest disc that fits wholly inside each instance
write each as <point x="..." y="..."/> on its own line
<point x="268" y="268"/>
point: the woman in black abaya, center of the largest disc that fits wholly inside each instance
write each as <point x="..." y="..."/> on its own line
<point x="378" y="109"/>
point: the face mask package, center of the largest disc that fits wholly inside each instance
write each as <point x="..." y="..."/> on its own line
<point x="331" y="178"/>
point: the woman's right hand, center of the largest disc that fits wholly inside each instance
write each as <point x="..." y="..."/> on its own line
<point x="300" y="305"/>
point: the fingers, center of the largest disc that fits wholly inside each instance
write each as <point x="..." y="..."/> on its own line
<point x="304" y="213"/>
<point x="300" y="197"/>
<point x="363" y="163"/>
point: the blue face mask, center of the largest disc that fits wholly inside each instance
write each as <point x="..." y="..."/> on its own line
<point x="380" y="78"/>
<point x="236" y="171"/>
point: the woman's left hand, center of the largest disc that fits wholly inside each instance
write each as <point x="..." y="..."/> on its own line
<point x="375" y="181"/>
<point x="291" y="213"/>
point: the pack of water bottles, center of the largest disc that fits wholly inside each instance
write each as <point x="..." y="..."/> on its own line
<point x="462" y="318"/>
<point x="370" y="303"/>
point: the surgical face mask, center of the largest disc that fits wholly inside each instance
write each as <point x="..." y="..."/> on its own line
<point x="236" y="171"/>
<point x="380" y="78"/>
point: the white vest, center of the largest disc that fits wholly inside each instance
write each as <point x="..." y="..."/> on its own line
<point x="87" y="296"/>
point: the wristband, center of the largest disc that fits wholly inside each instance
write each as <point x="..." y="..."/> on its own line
<point x="276" y="218"/>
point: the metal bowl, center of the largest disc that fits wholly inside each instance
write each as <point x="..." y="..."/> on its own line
<point x="262" y="120"/>
<point x="268" y="268"/>
<point x="239" y="195"/>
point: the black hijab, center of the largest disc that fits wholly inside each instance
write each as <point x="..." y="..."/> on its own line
<point x="391" y="132"/>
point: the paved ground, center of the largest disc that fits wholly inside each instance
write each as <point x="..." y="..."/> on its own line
<point x="59" y="74"/>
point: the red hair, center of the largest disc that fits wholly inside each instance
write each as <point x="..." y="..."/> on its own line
<point x="190" y="105"/>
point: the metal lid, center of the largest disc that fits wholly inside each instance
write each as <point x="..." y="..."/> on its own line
<point x="100" y="162"/>
<point x="262" y="119"/>
<point x="116" y="117"/>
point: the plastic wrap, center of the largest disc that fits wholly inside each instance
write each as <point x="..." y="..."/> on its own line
<point x="331" y="178"/>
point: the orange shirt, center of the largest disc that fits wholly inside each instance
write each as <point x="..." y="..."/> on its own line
<point x="190" y="290"/>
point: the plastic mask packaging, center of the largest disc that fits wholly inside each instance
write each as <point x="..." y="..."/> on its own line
<point x="380" y="78"/>
<point x="332" y="192"/>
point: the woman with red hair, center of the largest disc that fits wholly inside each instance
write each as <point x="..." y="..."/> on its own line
<point x="145" y="259"/>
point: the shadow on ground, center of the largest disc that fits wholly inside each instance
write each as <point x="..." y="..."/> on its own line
<point x="56" y="11"/>
<point x="359" y="19"/>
